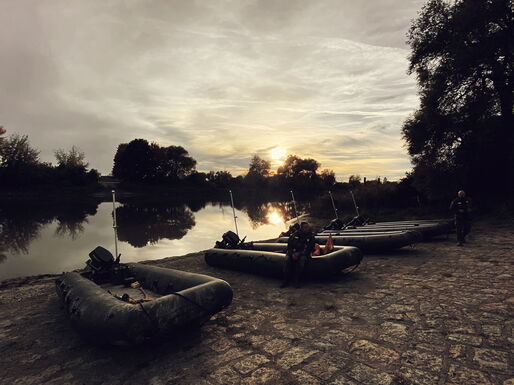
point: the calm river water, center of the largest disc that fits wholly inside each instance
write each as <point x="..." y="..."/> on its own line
<point x="39" y="239"/>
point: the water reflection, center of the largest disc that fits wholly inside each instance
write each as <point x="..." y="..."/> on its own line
<point x="275" y="217"/>
<point x="141" y="224"/>
<point x="272" y="212"/>
<point x="22" y="223"/>
<point x="52" y="237"/>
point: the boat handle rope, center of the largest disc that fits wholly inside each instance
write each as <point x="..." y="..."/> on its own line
<point x="152" y="320"/>
<point x="174" y="293"/>
<point x="156" y="324"/>
<point x="356" y="266"/>
<point x="190" y="300"/>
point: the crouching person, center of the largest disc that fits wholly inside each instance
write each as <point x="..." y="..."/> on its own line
<point x="299" y="248"/>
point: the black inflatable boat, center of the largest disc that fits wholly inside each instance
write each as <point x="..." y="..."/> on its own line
<point x="428" y="228"/>
<point x="269" y="259"/>
<point x="122" y="304"/>
<point x="371" y="243"/>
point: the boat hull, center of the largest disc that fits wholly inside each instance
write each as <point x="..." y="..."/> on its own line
<point x="271" y="263"/>
<point x="428" y="230"/>
<point x="188" y="300"/>
<point x="371" y="243"/>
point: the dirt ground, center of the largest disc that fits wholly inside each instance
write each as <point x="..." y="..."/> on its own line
<point x="432" y="314"/>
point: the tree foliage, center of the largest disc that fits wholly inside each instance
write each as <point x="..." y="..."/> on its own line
<point x="20" y="166"/>
<point x="300" y="173"/>
<point x="258" y="171"/>
<point x="2" y="132"/>
<point x="328" y="178"/>
<point x="259" y="166"/>
<point x="139" y="161"/>
<point x="295" y="166"/>
<point x="220" y="178"/>
<point x="354" y="180"/>
<point x="74" y="158"/>
<point x="17" y="152"/>
<point x="462" y="56"/>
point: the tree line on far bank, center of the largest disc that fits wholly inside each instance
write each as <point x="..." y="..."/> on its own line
<point x="140" y="162"/>
<point x="139" y="165"/>
<point x="21" y="168"/>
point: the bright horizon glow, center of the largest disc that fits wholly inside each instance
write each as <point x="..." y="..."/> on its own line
<point x="277" y="154"/>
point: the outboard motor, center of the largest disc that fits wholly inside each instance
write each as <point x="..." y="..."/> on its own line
<point x="335" y="224"/>
<point x="100" y="259"/>
<point x="102" y="267"/>
<point x="292" y="229"/>
<point x="357" y="221"/>
<point x="230" y="240"/>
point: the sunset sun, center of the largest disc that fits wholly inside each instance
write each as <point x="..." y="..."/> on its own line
<point x="277" y="153"/>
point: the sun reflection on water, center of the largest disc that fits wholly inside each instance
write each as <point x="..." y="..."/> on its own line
<point x="275" y="217"/>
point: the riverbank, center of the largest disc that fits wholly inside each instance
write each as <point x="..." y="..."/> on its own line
<point x="433" y="314"/>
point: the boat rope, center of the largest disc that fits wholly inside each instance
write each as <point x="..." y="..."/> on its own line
<point x="149" y="300"/>
<point x="356" y="266"/>
<point x="152" y="320"/>
<point x="190" y="300"/>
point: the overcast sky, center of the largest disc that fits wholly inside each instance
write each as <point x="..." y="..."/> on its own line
<point x="225" y="79"/>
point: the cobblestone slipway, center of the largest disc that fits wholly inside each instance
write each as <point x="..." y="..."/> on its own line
<point x="432" y="314"/>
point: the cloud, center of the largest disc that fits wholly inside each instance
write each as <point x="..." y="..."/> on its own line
<point x="223" y="79"/>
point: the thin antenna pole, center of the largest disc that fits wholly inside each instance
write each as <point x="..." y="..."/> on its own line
<point x="333" y="204"/>
<point x="114" y="224"/>
<point x="355" y="203"/>
<point x="233" y="211"/>
<point x="295" y="210"/>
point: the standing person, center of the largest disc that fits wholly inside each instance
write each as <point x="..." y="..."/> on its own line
<point x="461" y="207"/>
<point x="299" y="247"/>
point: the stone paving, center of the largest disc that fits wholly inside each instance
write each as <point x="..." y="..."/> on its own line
<point x="432" y="314"/>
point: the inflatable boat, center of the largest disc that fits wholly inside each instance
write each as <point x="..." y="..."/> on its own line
<point x="125" y="304"/>
<point x="370" y="243"/>
<point x="269" y="259"/>
<point x="428" y="230"/>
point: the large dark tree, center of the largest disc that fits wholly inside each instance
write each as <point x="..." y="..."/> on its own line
<point x="299" y="173"/>
<point x="139" y="161"/>
<point x="134" y="162"/>
<point x="172" y="162"/>
<point x="462" y="134"/>
<point x="295" y="166"/>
